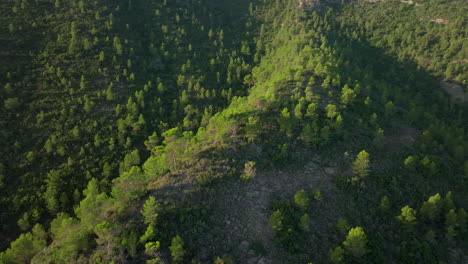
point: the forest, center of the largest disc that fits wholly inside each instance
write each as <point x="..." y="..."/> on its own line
<point x="222" y="132"/>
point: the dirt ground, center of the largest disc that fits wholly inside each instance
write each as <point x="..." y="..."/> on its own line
<point x="247" y="209"/>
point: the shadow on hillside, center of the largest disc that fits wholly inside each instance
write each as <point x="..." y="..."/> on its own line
<point x="390" y="79"/>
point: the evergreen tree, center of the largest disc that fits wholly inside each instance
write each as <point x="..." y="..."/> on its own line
<point x="407" y="216"/>
<point x="150" y="211"/>
<point x="356" y="242"/>
<point x="177" y="249"/>
<point x="301" y="199"/>
<point x="276" y="220"/>
<point x="361" y="165"/>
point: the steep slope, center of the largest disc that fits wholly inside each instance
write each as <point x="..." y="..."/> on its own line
<point x="84" y="85"/>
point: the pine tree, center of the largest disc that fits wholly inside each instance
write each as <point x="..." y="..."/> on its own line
<point x="432" y="208"/>
<point x="150" y="211"/>
<point x="332" y="111"/>
<point x="337" y="255"/>
<point x="301" y="199"/>
<point x="348" y="96"/>
<point x="356" y="242"/>
<point x="361" y="165"/>
<point x="407" y="216"/>
<point x="177" y="249"/>
<point x="102" y="56"/>
<point x="249" y="171"/>
<point x="11" y="28"/>
<point x="276" y="220"/>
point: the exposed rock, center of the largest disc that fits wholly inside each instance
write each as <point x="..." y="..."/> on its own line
<point x="438" y="20"/>
<point x="310" y="5"/>
<point x="454" y="90"/>
<point x="329" y="170"/>
<point x="244" y="245"/>
<point x="265" y="260"/>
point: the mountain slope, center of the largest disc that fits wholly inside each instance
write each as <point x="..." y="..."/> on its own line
<point x="338" y="148"/>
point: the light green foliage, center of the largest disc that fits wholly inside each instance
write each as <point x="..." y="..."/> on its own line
<point x="150" y="211"/>
<point x="130" y="243"/>
<point x="356" y="242"/>
<point x="252" y="128"/>
<point x="73" y="236"/>
<point x="25" y="247"/>
<point x="102" y="56"/>
<point x="348" y="96"/>
<point x="150" y="246"/>
<point x="276" y="220"/>
<point x="312" y="111"/>
<point x="332" y="111"/>
<point x="286" y="122"/>
<point x="249" y="170"/>
<point x="130" y="160"/>
<point x="298" y="111"/>
<point x="301" y="199"/>
<point x="148" y="235"/>
<point x="107" y="237"/>
<point x="431" y="209"/>
<point x="410" y="163"/>
<point x="223" y="260"/>
<point x="24" y="222"/>
<point x="177" y="249"/>
<point x="54" y="182"/>
<point x="151" y="249"/>
<point x="317" y="194"/>
<point x="407" y="216"/>
<point x="156" y="165"/>
<point x="361" y="165"/>
<point x="91" y="207"/>
<point x="152" y="141"/>
<point x="11" y="28"/>
<point x="82" y="82"/>
<point x="129" y="187"/>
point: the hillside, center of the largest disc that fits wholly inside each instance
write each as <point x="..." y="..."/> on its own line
<point x="246" y="131"/>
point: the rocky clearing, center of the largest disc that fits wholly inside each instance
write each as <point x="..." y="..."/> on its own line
<point x="246" y="208"/>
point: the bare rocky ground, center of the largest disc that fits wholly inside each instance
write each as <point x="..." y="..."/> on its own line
<point x="454" y="90"/>
<point x="245" y="209"/>
<point x="241" y="209"/>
